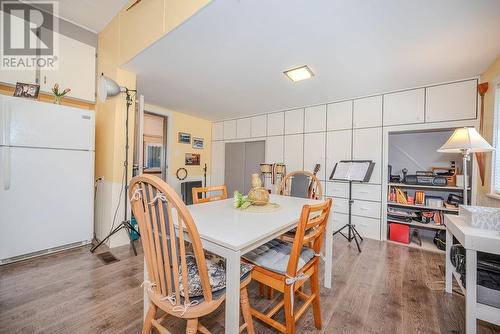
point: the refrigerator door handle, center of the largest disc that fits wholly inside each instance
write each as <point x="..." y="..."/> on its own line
<point x="5" y="160"/>
<point x="5" y="123"/>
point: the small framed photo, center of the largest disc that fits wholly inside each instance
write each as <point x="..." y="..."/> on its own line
<point x="184" y="138"/>
<point x="192" y="159"/>
<point x="29" y="91"/>
<point x="198" y="143"/>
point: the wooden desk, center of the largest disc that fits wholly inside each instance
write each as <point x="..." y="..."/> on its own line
<point x="473" y="240"/>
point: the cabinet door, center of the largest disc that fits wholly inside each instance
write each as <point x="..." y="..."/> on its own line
<point x="294" y="121"/>
<point x="451" y="102"/>
<point x="314" y="152"/>
<point x="294" y="153"/>
<point x="366" y="209"/>
<point x="404" y="107"/>
<point x="274" y="149"/>
<point x="339" y="115"/>
<point x="367" y="112"/>
<point x="337" y="189"/>
<point x="367" y="145"/>
<point x="218" y="163"/>
<point x="259" y="126"/>
<point x="315" y="118"/>
<point x="229" y="130"/>
<point x="338" y="147"/>
<point x="75" y="69"/>
<point x="243" y="128"/>
<point x="217" y="131"/>
<point x="276" y="124"/>
<point x="24" y="75"/>
<point x="367" y="227"/>
<point x="369" y="192"/>
<point x="340" y="205"/>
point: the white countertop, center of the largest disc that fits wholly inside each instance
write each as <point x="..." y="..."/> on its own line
<point x="471" y="237"/>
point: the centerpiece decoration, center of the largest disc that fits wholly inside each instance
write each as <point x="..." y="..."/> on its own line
<point x="58" y="95"/>
<point x="257" y="199"/>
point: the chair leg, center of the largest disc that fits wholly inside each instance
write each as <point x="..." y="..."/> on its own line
<point x="289" y="318"/>
<point x="192" y="326"/>
<point x="316" y="302"/>
<point x="270" y="293"/>
<point x="261" y="290"/>
<point x="148" y="325"/>
<point x="245" y="310"/>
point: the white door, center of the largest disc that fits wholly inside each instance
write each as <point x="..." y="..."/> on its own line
<point x="75" y="69"/>
<point x="367" y="112"/>
<point x="367" y="145"/>
<point x="404" y="107"/>
<point x="46" y="199"/>
<point x="37" y="124"/>
<point x="451" y="102"/>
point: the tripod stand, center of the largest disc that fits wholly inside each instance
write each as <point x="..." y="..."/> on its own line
<point x="125" y="224"/>
<point x="352" y="233"/>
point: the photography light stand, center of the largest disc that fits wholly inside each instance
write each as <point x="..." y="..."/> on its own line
<point x="107" y="88"/>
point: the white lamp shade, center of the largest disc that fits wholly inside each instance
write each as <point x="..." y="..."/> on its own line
<point x="466" y="140"/>
<point x="107" y="87"/>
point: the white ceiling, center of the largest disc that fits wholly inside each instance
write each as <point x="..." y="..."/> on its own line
<point x="91" y="14"/>
<point x="227" y="60"/>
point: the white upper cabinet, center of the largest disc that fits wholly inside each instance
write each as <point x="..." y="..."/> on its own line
<point x="455" y="101"/>
<point x="314" y="152"/>
<point x="275" y="124"/>
<point x="294" y="121"/>
<point x="367" y="112"/>
<point x="367" y="145"/>
<point x="76" y="69"/>
<point x="338" y="147"/>
<point x="229" y="130"/>
<point x="218" y="131"/>
<point x="294" y="152"/>
<point x="404" y="107"/>
<point x="243" y="128"/>
<point x="259" y="126"/>
<point x="274" y="149"/>
<point x="339" y="115"/>
<point x="315" y="118"/>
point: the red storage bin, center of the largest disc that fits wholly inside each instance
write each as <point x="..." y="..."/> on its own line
<point x="399" y="233"/>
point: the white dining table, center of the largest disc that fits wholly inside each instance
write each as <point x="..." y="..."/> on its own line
<point x="230" y="233"/>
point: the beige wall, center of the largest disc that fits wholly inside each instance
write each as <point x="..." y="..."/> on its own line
<point x="490" y="75"/>
<point x="128" y="33"/>
<point x="197" y="127"/>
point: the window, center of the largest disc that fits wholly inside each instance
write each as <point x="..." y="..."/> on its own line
<point x="152" y="156"/>
<point x="495" y="180"/>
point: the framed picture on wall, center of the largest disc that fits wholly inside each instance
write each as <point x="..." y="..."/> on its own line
<point x="192" y="159"/>
<point x="198" y="143"/>
<point x="184" y="138"/>
<point x="29" y="91"/>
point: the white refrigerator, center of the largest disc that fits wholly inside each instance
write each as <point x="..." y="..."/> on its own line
<point x="46" y="177"/>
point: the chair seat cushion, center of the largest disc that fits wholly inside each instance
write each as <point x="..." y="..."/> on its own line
<point x="274" y="256"/>
<point x="216" y="275"/>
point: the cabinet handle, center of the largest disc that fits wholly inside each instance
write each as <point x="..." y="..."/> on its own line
<point x="44" y="79"/>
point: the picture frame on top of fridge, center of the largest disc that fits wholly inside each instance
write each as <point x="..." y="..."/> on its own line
<point x="26" y="90"/>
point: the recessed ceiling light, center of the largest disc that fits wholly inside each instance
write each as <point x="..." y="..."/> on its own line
<point x="299" y="73"/>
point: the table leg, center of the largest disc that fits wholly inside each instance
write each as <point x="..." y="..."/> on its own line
<point x="449" y="266"/>
<point x="328" y="253"/>
<point x="471" y="291"/>
<point x="232" y="292"/>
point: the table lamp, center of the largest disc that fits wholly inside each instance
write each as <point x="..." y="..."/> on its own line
<point x="465" y="141"/>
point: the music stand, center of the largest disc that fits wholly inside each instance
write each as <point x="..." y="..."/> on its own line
<point x="352" y="171"/>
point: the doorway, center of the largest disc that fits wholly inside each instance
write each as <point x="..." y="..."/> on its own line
<point x="241" y="161"/>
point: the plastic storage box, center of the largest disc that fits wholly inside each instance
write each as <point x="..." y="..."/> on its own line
<point x="399" y="233"/>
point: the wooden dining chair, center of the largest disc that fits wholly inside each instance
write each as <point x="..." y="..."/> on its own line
<point x="286" y="267"/>
<point x="306" y="185"/>
<point x="221" y="193"/>
<point x="180" y="284"/>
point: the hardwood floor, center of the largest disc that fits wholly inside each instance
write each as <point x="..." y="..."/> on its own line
<point x="383" y="290"/>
